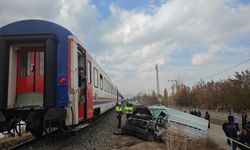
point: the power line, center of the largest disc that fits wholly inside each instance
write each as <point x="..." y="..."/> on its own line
<point x="243" y="62"/>
<point x="240" y="43"/>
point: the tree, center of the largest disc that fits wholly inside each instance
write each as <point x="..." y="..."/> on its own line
<point x="154" y="94"/>
<point x="182" y="96"/>
<point x="148" y="99"/>
<point x="227" y="94"/>
<point x="165" y="97"/>
<point x="154" y="98"/>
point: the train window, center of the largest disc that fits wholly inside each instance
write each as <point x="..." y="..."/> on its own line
<point x="95" y="74"/>
<point x="25" y="64"/>
<point x="89" y="72"/>
<point x="109" y="88"/>
<point x="104" y="84"/>
<point x="101" y="82"/>
<point x="41" y="63"/>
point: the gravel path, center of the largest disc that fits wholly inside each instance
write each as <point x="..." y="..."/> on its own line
<point x="99" y="136"/>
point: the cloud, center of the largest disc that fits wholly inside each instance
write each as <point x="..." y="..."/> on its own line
<point x="79" y="16"/>
<point x="140" y="40"/>
<point x="202" y="58"/>
<point x="128" y="43"/>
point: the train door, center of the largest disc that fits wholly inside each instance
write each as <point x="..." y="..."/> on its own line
<point x="82" y="100"/>
<point x="90" y="111"/>
<point x="30" y="76"/>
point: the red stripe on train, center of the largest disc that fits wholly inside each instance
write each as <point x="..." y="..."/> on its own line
<point x="69" y="61"/>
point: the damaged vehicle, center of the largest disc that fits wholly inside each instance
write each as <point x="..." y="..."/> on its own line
<point x="146" y="123"/>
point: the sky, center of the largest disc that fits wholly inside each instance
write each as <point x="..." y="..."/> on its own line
<point x="190" y="40"/>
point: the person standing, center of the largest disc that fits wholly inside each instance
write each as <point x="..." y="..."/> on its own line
<point x="230" y="131"/>
<point x="244" y="137"/>
<point x="236" y="121"/>
<point x="244" y="120"/>
<point x="118" y="110"/>
<point x="198" y="113"/>
<point x="207" y="117"/>
<point x="128" y="110"/>
<point x="195" y="113"/>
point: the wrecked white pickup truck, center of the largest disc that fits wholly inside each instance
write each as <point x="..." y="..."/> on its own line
<point x="145" y="123"/>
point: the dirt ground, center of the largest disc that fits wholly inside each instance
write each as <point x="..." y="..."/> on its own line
<point x="171" y="142"/>
<point x="216" y="134"/>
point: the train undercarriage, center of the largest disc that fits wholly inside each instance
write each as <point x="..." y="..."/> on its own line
<point x="34" y="121"/>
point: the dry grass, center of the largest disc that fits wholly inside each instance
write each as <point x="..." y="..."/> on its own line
<point x="8" y="140"/>
<point x="176" y="140"/>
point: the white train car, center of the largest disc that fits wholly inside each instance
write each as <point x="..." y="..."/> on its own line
<point x="48" y="78"/>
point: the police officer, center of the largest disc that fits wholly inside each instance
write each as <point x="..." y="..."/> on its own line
<point x="128" y="110"/>
<point x="118" y="110"/>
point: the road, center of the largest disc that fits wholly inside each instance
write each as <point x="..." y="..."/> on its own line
<point x="216" y="134"/>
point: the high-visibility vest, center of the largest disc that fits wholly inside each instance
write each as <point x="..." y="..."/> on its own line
<point x="128" y="109"/>
<point x="118" y="108"/>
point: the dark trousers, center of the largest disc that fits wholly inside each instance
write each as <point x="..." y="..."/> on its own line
<point x="243" y="125"/>
<point x="234" y="146"/>
<point x="208" y="122"/>
<point x="237" y="126"/>
<point x="128" y="115"/>
<point x="119" y="117"/>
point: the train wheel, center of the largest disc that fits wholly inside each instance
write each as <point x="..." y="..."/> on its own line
<point x="64" y="127"/>
<point x="37" y="132"/>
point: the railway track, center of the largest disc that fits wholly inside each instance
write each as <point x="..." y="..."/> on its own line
<point x="26" y="142"/>
<point x="78" y="134"/>
<point x="66" y="139"/>
<point x="30" y="141"/>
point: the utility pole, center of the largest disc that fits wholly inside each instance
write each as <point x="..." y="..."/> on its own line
<point x="157" y="80"/>
<point x="174" y="81"/>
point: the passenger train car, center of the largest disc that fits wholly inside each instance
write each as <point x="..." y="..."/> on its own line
<point x="48" y="78"/>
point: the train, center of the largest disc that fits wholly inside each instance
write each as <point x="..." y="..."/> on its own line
<point x="49" y="79"/>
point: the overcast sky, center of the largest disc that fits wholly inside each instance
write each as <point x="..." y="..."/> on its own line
<point x="189" y="39"/>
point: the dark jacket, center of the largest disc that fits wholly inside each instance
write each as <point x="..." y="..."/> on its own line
<point x="207" y="116"/>
<point x="232" y="131"/>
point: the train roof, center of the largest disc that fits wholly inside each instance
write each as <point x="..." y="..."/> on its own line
<point x="32" y="27"/>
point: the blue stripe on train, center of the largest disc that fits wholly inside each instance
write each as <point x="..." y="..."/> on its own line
<point x="102" y="102"/>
